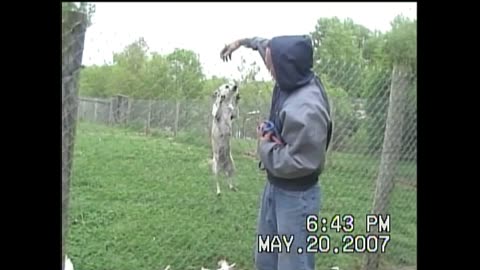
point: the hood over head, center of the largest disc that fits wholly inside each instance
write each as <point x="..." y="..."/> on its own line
<point x="292" y="58"/>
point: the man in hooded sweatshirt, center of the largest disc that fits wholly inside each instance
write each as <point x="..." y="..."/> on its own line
<point x="294" y="155"/>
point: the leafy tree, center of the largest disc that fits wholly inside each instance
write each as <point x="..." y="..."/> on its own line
<point x="398" y="48"/>
<point x="129" y="69"/>
<point x="186" y="71"/>
<point x="95" y="81"/>
<point x="156" y="77"/>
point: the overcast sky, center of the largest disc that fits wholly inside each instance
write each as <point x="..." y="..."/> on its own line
<point x="206" y="27"/>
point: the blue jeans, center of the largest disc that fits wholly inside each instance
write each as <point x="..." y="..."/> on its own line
<point x="285" y="212"/>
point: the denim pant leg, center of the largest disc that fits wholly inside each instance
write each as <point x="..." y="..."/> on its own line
<point x="266" y="225"/>
<point x="292" y="209"/>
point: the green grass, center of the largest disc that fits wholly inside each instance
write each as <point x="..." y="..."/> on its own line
<point x="143" y="203"/>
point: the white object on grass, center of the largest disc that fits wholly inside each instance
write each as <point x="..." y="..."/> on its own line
<point x="68" y="264"/>
<point x="225" y="266"/>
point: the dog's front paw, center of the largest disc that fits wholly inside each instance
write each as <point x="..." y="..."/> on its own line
<point x="233" y="188"/>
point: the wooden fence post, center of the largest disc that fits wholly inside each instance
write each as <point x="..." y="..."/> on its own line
<point x="74" y="27"/>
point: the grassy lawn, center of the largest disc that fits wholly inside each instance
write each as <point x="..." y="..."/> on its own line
<point x="141" y="203"/>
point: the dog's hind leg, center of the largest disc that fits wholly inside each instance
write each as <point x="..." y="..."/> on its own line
<point x="215" y="171"/>
<point x="230" y="173"/>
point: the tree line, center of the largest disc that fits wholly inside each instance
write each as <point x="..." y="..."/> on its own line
<point x="353" y="62"/>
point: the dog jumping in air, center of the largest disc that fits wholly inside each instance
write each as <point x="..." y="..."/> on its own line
<point x="224" y="112"/>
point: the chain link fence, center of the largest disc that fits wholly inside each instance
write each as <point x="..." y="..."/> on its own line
<point x="142" y="192"/>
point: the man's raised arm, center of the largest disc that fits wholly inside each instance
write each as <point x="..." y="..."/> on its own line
<point x="256" y="43"/>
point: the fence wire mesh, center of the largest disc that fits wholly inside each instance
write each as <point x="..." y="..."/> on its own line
<point x="142" y="191"/>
